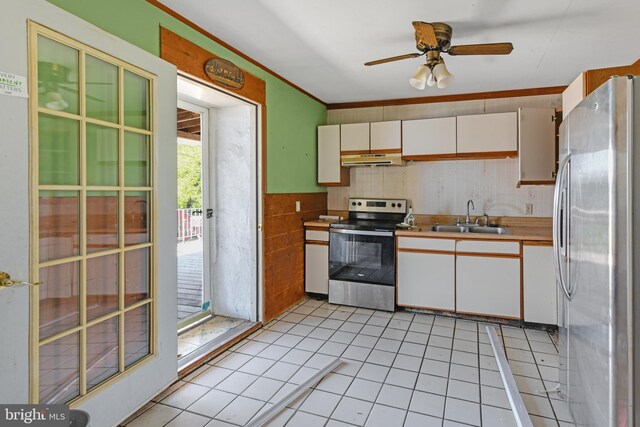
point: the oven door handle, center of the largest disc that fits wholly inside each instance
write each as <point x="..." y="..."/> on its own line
<point x="361" y="232"/>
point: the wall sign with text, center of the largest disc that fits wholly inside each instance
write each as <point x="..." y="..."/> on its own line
<point x="224" y="72"/>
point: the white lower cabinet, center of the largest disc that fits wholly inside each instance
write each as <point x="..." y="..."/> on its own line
<point x="426" y="280"/>
<point x="426" y="273"/>
<point x="488" y="285"/>
<point x="316" y="268"/>
<point x="539" y="282"/>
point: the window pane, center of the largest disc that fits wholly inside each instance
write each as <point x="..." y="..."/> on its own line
<point x="136" y="340"/>
<point x="60" y="370"/>
<point x="102" y="155"/>
<point x="102" y="286"/>
<point x="57" y="76"/>
<point x="136" y="217"/>
<point x="102" y="351"/>
<point x="59" y="213"/>
<point x="136" y="160"/>
<point x="136" y="101"/>
<point x="102" y="220"/>
<point x="136" y="275"/>
<point x="102" y="89"/>
<point x="58" y="142"/>
<point x="59" y="302"/>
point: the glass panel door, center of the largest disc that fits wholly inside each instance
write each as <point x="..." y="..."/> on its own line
<point x="92" y="208"/>
<point x="192" y="215"/>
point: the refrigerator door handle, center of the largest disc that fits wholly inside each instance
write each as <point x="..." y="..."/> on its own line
<point x="559" y="220"/>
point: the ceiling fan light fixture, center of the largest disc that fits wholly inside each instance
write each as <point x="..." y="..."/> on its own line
<point x="419" y="79"/>
<point x="55" y="101"/>
<point x="443" y="77"/>
<point x="431" y="81"/>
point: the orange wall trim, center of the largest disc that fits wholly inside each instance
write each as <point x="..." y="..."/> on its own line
<point x="554" y="90"/>
<point x="284" y="248"/>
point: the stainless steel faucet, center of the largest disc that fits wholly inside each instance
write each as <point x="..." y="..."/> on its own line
<point x="484" y="218"/>
<point x="468" y="219"/>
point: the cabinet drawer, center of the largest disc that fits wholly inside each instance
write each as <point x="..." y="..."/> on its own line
<point x="322" y="236"/>
<point x="483" y="246"/>
<point x="426" y="244"/>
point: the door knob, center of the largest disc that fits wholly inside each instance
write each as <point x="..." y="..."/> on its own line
<point x="6" y="281"/>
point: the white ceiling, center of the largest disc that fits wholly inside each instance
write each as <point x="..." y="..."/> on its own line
<point x="321" y="46"/>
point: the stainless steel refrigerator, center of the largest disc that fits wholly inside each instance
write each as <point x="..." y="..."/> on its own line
<point x="595" y="240"/>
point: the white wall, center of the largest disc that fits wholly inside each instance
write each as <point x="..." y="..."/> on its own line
<point x="113" y="403"/>
<point x="443" y="187"/>
<point x="234" y="266"/>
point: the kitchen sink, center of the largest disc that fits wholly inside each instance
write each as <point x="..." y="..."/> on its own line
<point x="469" y="229"/>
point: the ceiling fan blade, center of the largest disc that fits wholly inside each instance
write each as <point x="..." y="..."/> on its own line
<point x="425" y="35"/>
<point x="481" y="49"/>
<point x="394" y="58"/>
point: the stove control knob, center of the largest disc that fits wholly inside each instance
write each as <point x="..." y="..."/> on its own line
<point x="359" y="203"/>
<point x="399" y="205"/>
<point x="353" y="203"/>
<point x="393" y="205"/>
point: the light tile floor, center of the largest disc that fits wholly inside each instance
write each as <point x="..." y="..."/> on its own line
<point x="401" y="369"/>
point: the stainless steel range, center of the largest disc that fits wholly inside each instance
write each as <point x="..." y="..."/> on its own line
<point x="362" y="261"/>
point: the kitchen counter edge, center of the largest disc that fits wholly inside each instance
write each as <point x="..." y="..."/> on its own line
<point x="538" y="234"/>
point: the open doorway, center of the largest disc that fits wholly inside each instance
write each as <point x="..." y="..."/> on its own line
<point x="218" y="205"/>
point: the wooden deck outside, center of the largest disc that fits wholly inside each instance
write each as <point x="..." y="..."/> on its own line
<point x="189" y="278"/>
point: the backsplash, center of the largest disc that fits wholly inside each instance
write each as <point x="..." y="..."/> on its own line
<point x="443" y="187"/>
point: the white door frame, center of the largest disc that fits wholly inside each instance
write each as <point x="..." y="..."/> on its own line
<point x="196" y="98"/>
<point x="208" y="185"/>
<point x="111" y="404"/>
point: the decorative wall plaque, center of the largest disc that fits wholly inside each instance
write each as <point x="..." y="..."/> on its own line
<point x="224" y="72"/>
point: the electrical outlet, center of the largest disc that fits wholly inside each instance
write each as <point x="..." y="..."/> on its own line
<point x="297" y="205"/>
<point x="528" y="208"/>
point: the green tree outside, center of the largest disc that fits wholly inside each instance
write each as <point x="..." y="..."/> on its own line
<point x="189" y="180"/>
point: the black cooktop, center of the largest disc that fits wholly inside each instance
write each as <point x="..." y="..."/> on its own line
<point x="365" y="224"/>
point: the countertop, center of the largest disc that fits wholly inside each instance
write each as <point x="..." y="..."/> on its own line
<point x="541" y="234"/>
<point x="317" y="223"/>
<point x="519" y="232"/>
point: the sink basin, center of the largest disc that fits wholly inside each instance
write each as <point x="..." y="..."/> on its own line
<point x="469" y="229"/>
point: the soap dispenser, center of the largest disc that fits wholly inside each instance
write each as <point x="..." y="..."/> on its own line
<point x="410" y="220"/>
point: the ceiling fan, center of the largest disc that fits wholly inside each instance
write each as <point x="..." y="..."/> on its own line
<point x="434" y="39"/>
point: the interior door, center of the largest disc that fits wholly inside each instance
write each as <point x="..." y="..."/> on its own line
<point x="194" y="214"/>
<point x="102" y="217"/>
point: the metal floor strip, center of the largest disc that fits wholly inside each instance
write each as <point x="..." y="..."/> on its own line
<point x="274" y="410"/>
<point x="520" y="412"/>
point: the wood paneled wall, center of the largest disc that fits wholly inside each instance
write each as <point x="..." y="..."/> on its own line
<point x="284" y="247"/>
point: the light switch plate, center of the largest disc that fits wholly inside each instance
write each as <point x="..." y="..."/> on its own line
<point x="297" y="205"/>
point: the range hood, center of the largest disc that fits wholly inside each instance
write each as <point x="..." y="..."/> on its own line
<point x="394" y="159"/>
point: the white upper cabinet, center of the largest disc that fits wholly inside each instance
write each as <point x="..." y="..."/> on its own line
<point x="488" y="133"/>
<point x="573" y="94"/>
<point x="329" y="170"/>
<point x="354" y="137"/>
<point x="537" y="150"/>
<point x="428" y="137"/>
<point x="386" y="137"/>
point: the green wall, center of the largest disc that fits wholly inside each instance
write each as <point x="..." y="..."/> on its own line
<point x="292" y="117"/>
